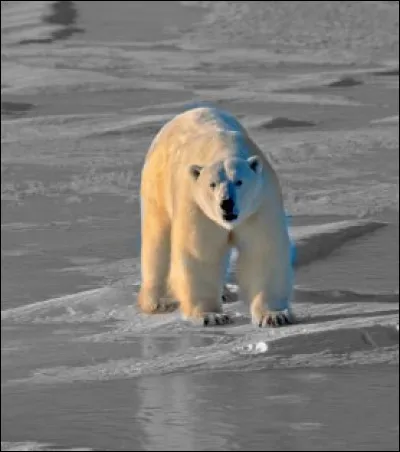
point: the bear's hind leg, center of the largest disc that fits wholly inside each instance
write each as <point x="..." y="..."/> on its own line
<point x="155" y="259"/>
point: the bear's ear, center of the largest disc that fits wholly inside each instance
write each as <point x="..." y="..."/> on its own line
<point x="195" y="171"/>
<point x="255" y="164"/>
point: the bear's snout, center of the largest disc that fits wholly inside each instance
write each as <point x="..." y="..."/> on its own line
<point x="227" y="205"/>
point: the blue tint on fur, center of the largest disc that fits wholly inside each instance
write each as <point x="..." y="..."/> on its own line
<point x="230" y="124"/>
<point x="228" y="121"/>
<point x="293" y="252"/>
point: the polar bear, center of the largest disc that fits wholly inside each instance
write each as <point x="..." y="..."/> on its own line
<point x="206" y="187"/>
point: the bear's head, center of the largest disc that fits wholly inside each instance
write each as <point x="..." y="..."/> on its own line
<point x="229" y="191"/>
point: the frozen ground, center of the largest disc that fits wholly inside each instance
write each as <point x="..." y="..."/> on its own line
<point x="84" y="90"/>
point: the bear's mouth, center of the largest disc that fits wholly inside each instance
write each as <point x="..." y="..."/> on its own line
<point x="229" y="216"/>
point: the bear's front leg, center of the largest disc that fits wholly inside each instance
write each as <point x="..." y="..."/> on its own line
<point x="197" y="277"/>
<point x="197" y="286"/>
<point x="155" y="258"/>
<point x="265" y="281"/>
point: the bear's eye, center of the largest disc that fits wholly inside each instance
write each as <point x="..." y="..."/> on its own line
<point x="238" y="183"/>
<point x="213" y="185"/>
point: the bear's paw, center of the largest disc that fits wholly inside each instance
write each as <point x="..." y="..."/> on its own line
<point x="214" y="318"/>
<point x="273" y="318"/>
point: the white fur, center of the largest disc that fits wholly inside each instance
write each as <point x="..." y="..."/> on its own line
<point x="218" y="181"/>
<point x="193" y="164"/>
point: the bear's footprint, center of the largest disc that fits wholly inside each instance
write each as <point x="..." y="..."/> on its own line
<point x="216" y="319"/>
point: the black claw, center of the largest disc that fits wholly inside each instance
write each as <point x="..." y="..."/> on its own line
<point x="206" y="321"/>
<point x="226" y="319"/>
<point x="217" y="322"/>
<point x="287" y="320"/>
<point x="260" y="323"/>
<point x="279" y="321"/>
<point x="223" y="298"/>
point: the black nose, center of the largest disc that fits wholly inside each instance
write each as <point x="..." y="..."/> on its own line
<point x="227" y="205"/>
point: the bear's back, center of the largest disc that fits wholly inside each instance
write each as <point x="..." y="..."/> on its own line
<point x="201" y="135"/>
<point x="207" y="119"/>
